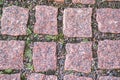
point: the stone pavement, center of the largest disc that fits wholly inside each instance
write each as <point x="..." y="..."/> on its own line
<point x="60" y="49"/>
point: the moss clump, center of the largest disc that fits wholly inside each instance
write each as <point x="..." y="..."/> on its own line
<point x="8" y="71"/>
<point x="58" y="38"/>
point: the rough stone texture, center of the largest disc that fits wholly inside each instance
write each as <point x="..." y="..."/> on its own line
<point x="61" y="1"/>
<point x="46" y="20"/>
<point x="10" y="77"/>
<point x="79" y="57"/>
<point x="109" y="78"/>
<point x="14" y="21"/>
<point x="108" y="20"/>
<point x="37" y="76"/>
<point x="11" y="54"/>
<point x="84" y="1"/>
<point x="77" y="22"/>
<point x="109" y="54"/>
<point x="44" y="56"/>
<point x="72" y="77"/>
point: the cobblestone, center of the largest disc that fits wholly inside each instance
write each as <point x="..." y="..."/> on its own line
<point x="77" y="22"/>
<point x="61" y="1"/>
<point x="44" y="56"/>
<point x="108" y="20"/>
<point x="10" y="77"/>
<point x="108" y="54"/>
<point x="11" y="54"/>
<point x="37" y="76"/>
<point x="79" y="57"/>
<point x="109" y="78"/>
<point x="84" y="1"/>
<point x="46" y="20"/>
<point x="14" y="21"/>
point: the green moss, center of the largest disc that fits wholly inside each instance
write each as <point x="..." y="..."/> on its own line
<point x="30" y="66"/>
<point x="69" y="72"/>
<point x="58" y="38"/>
<point x="8" y="71"/>
<point x="28" y="54"/>
<point x="1" y="72"/>
<point x="85" y="40"/>
<point x="29" y="32"/>
<point x="16" y="3"/>
<point x="95" y="46"/>
<point x="23" y="77"/>
<point x="28" y="41"/>
<point x="49" y="37"/>
<point x="1" y="2"/>
<point x="35" y="35"/>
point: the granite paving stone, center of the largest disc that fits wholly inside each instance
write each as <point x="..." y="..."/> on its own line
<point x="11" y="54"/>
<point x="44" y="56"/>
<point x="109" y="54"/>
<point x="14" y="21"/>
<point x="60" y="1"/>
<point x="46" y="20"/>
<point x="109" y="78"/>
<point x="108" y="20"/>
<point x="79" y="57"/>
<point x="10" y="76"/>
<point x="77" y="22"/>
<point x="84" y="1"/>
<point x="38" y="76"/>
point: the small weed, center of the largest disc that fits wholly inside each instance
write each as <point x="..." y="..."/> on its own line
<point x="8" y="71"/>
<point x="49" y="37"/>
<point x="1" y="2"/>
<point x="28" y="54"/>
<point x="35" y="35"/>
<point x="29" y="32"/>
<point x="58" y="38"/>
<point x="95" y="46"/>
<point x="16" y="3"/>
<point x="30" y="66"/>
<point x="23" y="77"/>
<point x="85" y="40"/>
<point x="28" y="42"/>
<point x="1" y="72"/>
<point x="69" y="72"/>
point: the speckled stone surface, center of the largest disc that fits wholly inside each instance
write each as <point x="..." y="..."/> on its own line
<point x="77" y="22"/>
<point x="109" y="54"/>
<point x="109" y="78"/>
<point x="37" y="76"/>
<point x="46" y="20"/>
<point x="11" y="54"/>
<point x="14" y="21"/>
<point x="10" y="77"/>
<point x="79" y="57"/>
<point x="44" y="56"/>
<point x="84" y="1"/>
<point x="108" y="20"/>
<point x="73" y="77"/>
<point x="61" y="1"/>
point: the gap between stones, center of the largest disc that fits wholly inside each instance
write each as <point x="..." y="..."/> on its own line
<point x="95" y="40"/>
